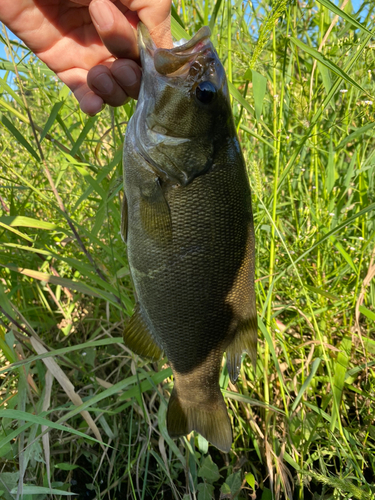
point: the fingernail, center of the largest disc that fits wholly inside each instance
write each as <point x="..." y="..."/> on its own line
<point x="128" y="76"/>
<point x="99" y="110"/>
<point x="103" y="83"/>
<point x="102" y="15"/>
<point x="91" y="104"/>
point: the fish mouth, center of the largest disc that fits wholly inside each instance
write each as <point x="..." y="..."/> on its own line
<point x="176" y="61"/>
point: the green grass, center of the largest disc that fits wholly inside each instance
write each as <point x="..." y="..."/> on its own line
<point x="89" y="416"/>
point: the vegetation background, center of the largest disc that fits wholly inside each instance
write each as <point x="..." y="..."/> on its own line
<point x="79" y="413"/>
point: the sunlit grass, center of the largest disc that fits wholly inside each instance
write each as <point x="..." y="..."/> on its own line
<point x="303" y="102"/>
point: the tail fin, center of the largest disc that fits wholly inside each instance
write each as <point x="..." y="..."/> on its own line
<point x="211" y="421"/>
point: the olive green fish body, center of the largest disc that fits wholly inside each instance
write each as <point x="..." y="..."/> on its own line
<point x="190" y="242"/>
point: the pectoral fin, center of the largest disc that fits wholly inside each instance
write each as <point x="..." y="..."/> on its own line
<point x="138" y="337"/>
<point x="245" y="340"/>
<point x="155" y="213"/>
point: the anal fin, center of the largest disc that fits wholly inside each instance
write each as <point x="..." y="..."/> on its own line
<point x="139" y="339"/>
<point x="245" y="340"/>
<point x="211" y="421"/>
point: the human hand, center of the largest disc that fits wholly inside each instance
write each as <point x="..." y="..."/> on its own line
<point x="78" y="40"/>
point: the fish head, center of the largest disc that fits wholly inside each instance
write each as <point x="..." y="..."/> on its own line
<point x="183" y="112"/>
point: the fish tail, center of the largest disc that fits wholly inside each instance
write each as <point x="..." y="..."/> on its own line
<point x="210" y="420"/>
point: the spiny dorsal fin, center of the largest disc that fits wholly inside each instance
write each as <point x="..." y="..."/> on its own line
<point x="245" y="340"/>
<point x="212" y="421"/>
<point x="138" y="337"/>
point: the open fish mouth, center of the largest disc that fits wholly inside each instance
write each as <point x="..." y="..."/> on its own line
<point x="176" y="61"/>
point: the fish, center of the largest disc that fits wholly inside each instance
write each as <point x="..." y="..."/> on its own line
<point x="188" y="225"/>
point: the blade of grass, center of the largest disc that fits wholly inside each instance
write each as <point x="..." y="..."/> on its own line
<point x="64" y="282"/>
<point x="82" y="136"/>
<point x="21" y="221"/>
<point x="306" y="384"/>
<point x="341" y="13"/>
<point x="340" y="369"/>
<point x="18" y="233"/>
<point x="20" y="138"/>
<point x="40" y="420"/>
<point x="327" y="63"/>
<point x="178" y="31"/>
<point x="62" y="352"/>
<point x="29" y="489"/>
<point x="366" y="312"/>
<point x="51" y="119"/>
<point x="66" y="385"/>
<point x="320" y="110"/>
<point x="359" y="132"/>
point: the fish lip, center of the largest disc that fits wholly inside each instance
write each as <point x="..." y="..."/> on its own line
<point x="195" y="44"/>
<point x="177" y="60"/>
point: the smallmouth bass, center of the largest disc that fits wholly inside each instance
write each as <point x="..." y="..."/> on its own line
<point x="188" y="225"/>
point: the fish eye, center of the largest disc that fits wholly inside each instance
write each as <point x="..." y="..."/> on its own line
<point x="205" y="92"/>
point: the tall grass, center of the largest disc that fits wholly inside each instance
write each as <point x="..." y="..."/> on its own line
<point x="79" y="412"/>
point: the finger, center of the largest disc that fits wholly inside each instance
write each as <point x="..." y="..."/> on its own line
<point x="114" y="29"/>
<point x="162" y="35"/>
<point x="91" y="104"/>
<point x="75" y="79"/>
<point x="102" y="81"/>
<point x="128" y="75"/>
<point x="151" y="13"/>
<point x="156" y="16"/>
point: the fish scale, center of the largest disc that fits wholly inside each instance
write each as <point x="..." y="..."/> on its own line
<point x="189" y="230"/>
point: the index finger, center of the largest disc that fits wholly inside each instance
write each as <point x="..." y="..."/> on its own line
<point x="114" y="28"/>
